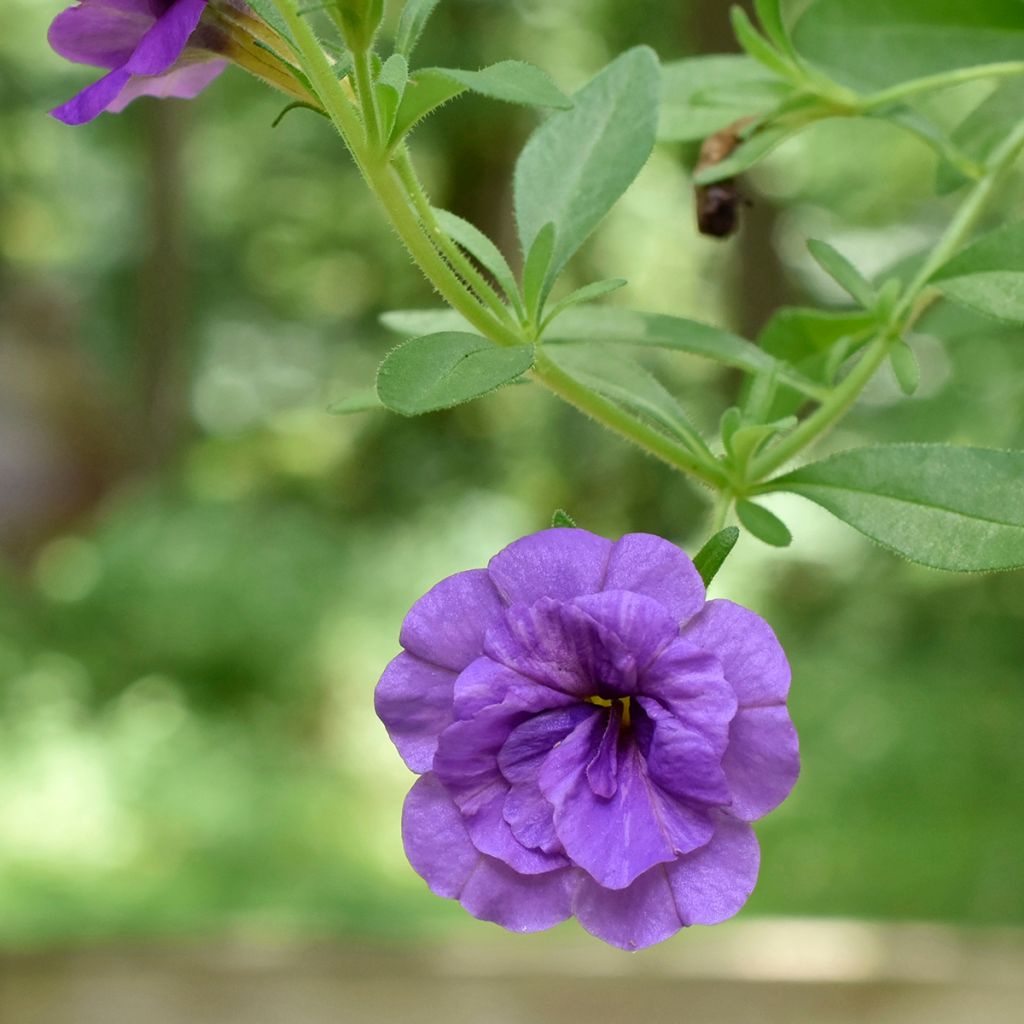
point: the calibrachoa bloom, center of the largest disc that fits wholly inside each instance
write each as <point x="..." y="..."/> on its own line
<point x="149" y="47"/>
<point x="592" y="736"/>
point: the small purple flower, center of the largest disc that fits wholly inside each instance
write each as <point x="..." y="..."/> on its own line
<point x="593" y="738"/>
<point x="146" y="45"/>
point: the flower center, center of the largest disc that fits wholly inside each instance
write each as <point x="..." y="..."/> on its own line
<point x="604" y="702"/>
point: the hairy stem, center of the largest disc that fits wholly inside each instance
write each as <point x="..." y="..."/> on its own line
<point x="943" y="80"/>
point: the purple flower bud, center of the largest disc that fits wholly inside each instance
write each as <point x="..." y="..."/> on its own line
<point x="593" y="738"/>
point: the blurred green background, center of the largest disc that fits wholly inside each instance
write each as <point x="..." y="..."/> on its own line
<point x="202" y="573"/>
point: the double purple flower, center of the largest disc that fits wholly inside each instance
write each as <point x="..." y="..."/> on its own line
<point x="149" y="47"/>
<point x="593" y="738"/>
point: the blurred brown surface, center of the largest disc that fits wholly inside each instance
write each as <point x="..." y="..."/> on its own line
<point x="767" y="971"/>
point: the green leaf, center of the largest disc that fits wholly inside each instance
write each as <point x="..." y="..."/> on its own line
<point x="439" y="371"/>
<point x="361" y="401"/>
<point x="589" y="292"/>
<point x="748" y="153"/>
<point x="479" y="246"/>
<point x="411" y="24"/>
<point x="769" y="13"/>
<point x="689" y="86"/>
<point x="731" y="421"/>
<point x="874" y="44"/>
<point x="757" y="46"/>
<point x="427" y="90"/>
<point x="657" y="330"/>
<point x="960" y="509"/>
<point x="626" y="383"/>
<point x="390" y="86"/>
<point x="513" y="81"/>
<point x="747" y="441"/>
<point x="906" y="367"/>
<point x="535" y="271"/>
<point x="711" y="557"/>
<point x="561" y="518"/>
<point x="580" y="161"/>
<point x="988" y="276"/>
<point x="764" y="525"/>
<point x="843" y="272"/>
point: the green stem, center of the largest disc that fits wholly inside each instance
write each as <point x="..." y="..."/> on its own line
<point x="407" y="173"/>
<point x="612" y="416"/>
<point x="848" y="390"/>
<point x="721" y="512"/>
<point x="367" y="98"/>
<point x="943" y="80"/>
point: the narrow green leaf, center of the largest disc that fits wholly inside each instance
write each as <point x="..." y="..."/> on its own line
<point x="589" y="292"/>
<point x="748" y="440"/>
<point x="479" y="246"/>
<point x="873" y="44"/>
<point x="988" y="276"/>
<point x="769" y="13"/>
<point x="427" y="90"/>
<point x="906" y="367"/>
<point x="411" y="24"/>
<point x="712" y="556"/>
<point x="580" y="161"/>
<point x="361" y="401"/>
<point x="626" y="383"/>
<point x="391" y="82"/>
<point x="268" y="12"/>
<point x="757" y="46"/>
<point x="561" y="518"/>
<point x="535" y="271"/>
<point x="513" y="81"/>
<point x="657" y="330"/>
<point x="730" y="422"/>
<point x="960" y="509"/>
<point x="689" y="85"/>
<point x="439" y="371"/>
<point x="747" y="154"/>
<point x="764" y="525"/>
<point x="843" y="272"/>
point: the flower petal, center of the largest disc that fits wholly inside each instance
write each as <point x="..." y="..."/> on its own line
<point x="184" y="83"/>
<point x="493" y="835"/>
<point x="649" y="565"/>
<point x="440" y="850"/>
<point x="632" y="918"/>
<point x="563" y="647"/>
<point x="163" y="44"/>
<point x="523" y="753"/>
<point x="486" y="683"/>
<point x="615" y="840"/>
<point x="92" y="100"/>
<point x="763" y="760"/>
<point x="603" y="767"/>
<point x="447" y="625"/>
<point x="752" y="657"/>
<point x="683" y="761"/>
<point x="414" y="701"/>
<point x="641" y="624"/>
<point x="689" y="683"/>
<point x="711" y="884"/>
<point x="560" y="563"/>
<point x="103" y="35"/>
<point x="531" y="817"/>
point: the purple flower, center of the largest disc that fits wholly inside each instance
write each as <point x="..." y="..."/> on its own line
<point x="144" y="44"/>
<point x="593" y="738"/>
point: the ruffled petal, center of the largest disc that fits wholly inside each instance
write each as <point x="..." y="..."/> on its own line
<point x="163" y="44"/>
<point x="682" y="761"/>
<point x="649" y="565"/>
<point x="493" y="835"/>
<point x="184" y="83"/>
<point x="531" y="817"/>
<point x="615" y="840"/>
<point x="414" y="701"/>
<point x="638" y="916"/>
<point x="763" y="760"/>
<point x="486" y="683"/>
<point x="447" y="625"/>
<point x="752" y="657"/>
<point x="439" y="849"/>
<point x="563" y="647"/>
<point x="641" y="624"/>
<point x="689" y="683"/>
<point x="523" y="753"/>
<point x="711" y="884"/>
<point x="560" y="563"/>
